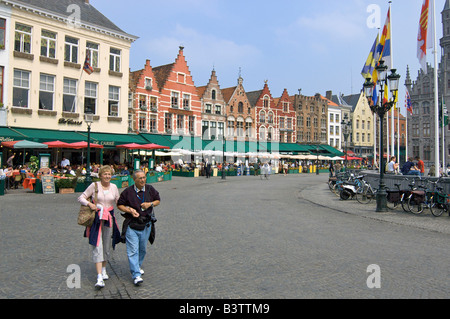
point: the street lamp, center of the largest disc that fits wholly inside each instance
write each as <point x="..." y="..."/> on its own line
<point x="88" y="118"/>
<point x="346" y="123"/>
<point x="381" y="107"/>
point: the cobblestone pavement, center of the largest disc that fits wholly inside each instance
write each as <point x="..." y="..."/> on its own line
<point x="288" y="237"/>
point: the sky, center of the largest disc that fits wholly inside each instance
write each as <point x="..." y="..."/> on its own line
<point x="315" y="46"/>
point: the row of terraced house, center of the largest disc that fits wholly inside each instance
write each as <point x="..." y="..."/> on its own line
<point x="45" y="93"/>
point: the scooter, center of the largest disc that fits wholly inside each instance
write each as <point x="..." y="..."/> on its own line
<point x="349" y="189"/>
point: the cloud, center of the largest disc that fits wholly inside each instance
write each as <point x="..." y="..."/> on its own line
<point x="203" y="50"/>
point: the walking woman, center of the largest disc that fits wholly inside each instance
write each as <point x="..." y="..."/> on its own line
<point x="104" y="232"/>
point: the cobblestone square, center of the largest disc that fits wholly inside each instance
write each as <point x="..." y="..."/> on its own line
<point x="239" y="238"/>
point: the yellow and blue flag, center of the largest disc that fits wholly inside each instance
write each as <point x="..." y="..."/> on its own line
<point x="369" y="67"/>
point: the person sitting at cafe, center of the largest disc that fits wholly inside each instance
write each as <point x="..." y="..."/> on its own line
<point x="125" y="171"/>
<point x="410" y="168"/>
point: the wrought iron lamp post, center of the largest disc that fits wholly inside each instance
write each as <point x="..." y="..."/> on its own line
<point x="381" y="107"/>
<point x="346" y="126"/>
<point x="88" y="118"/>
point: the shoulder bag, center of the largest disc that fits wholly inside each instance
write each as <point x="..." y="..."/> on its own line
<point x="86" y="215"/>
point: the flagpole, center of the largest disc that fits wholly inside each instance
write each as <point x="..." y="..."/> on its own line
<point x="443" y="136"/>
<point x="436" y="95"/>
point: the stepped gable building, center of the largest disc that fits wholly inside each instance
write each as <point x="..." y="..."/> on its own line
<point x="144" y="99"/>
<point x="361" y="139"/>
<point x="213" y="109"/>
<point x="287" y="118"/>
<point x="179" y="109"/>
<point x="44" y="87"/>
<point x="312" y="113"/>
<point x="240" y="114"/>
<point x="266" y="123"/>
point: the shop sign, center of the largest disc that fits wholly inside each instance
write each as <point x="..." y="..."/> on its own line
<point x="69" y="121"/>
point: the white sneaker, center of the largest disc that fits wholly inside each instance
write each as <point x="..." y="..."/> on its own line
<point x="138" y="281"/>
<point x="141" y="271"/>
<point x="100" y="283"/>
<point x="105" y="275"/>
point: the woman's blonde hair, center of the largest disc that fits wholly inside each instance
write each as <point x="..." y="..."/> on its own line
<point x="104" y="169"/>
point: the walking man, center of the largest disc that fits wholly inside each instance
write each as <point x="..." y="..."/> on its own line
<point x="137" y="202"/>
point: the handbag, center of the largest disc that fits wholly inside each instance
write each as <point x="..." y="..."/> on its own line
<point x="86" y="215"/>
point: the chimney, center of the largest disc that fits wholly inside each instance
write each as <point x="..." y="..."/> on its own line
<point x="329" y="95"/>
<point x="86" y="1"/>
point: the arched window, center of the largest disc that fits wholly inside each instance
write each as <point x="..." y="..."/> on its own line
<point x="241" y="107"/>
<point x="270" y="118"/>
<point x="262" y="133"/>
<point x="262" y="117"/>
<point x="213" y="94"/>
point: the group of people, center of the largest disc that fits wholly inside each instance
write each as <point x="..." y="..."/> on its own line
<point x="136" y="202"/>
<point x="410" y="167"/>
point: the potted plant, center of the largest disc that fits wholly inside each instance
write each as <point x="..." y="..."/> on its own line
<point x="66" y="185"/>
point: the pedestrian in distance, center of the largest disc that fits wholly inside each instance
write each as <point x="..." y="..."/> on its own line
<point x="420" y="166"/>
<point x="137" y="201"/>
<point x="208" y="169"/>
<point x="331" y="169"/>
<point x="104" y="232"/>
<point x="409" y="168"/>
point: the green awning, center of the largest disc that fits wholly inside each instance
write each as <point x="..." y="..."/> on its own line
<point x="40" y="136"/>
<point x="8" y="135"/>
<point x="164" y="140"/>
<point x="110" y="140"/>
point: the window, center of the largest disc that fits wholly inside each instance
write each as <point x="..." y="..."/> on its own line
<point x="69" y="95"/>
<point x="154" y="103"/>
<point x="230" y="128"/>
<point x="205" y="130"/>
<point x="174" y="99"/>
<point x="21" y="87"/>
<point x="71" y="50"/>
<point x="1" y="83"/>
<point x="262" y="133"/>
<point x="213" y="94"/>
<point x="220" y="129"/>
<point x="270" y="118"/>
<point x="426" y="129"/>
<point x="180" y="123"/>
<point x="114" y="60"/>
<point x="46" y="92"/>
<point x="148" y="84"/>
<point x="266" y="102"/>
<point x="90" y="98"/>
<point x="241" y="107"/>
<point x="181" y="78"/>
<point x="240" y="128"/>
<point x="22" y="39"/>
<point x="2" y="31"/>
<point x="248" y="129"/>
<point x="143" y="102"/>
<point x="285" y="107"/>
<point x="331" y="118"/>
<point x="48" y="44"/>
<point x="168" y="123"/>
<point x="213" y="131"/>
<point x="262" y="117"/>
<point x="186" y="101"/>
<point x="208" y="108"/>
<point x="192" y="124"/>
<point x="218" y="109"/>
<point x="270" y="134"/>
<point x="143" y="122"/>
<point x="281" y="122"/>
<point x="113" y="101"/>
<point x="93" y="53"/>
<point x="153" y="122"/>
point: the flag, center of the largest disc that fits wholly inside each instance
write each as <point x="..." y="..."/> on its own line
<point x="368" y="69"/>
<point x="408" y="103"/>
<point x="383" y="50"/>
<point x="87" y="63"/>
<point x="386" y="41"/>
<point x="424" y="38"/>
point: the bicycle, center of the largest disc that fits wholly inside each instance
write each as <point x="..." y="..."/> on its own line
<point x="419" y="200"/>
<point x="441" y="201"/>
<point x="366" y="193"/>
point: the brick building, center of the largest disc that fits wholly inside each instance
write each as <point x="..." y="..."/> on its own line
<point x="213" y="109"/>
<point x="240" y="114"/>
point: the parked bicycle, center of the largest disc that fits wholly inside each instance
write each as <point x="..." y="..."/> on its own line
<point x="424" y="198"/>
<point x="441" y="202"/>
